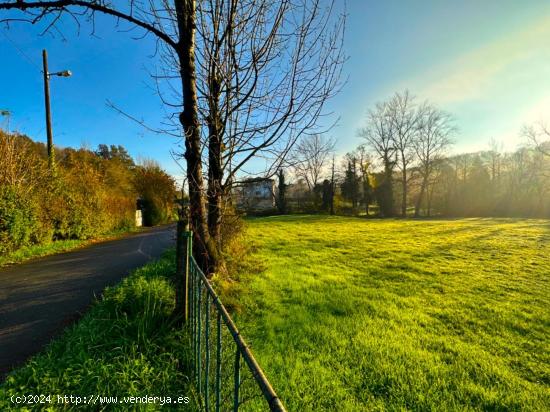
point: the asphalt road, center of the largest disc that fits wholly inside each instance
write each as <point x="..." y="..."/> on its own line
<point x="41" y="297"/>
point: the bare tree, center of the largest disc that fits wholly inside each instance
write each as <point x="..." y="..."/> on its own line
<point x="404" y="119"/>
<point x="20" y="167"/>
<point x="435" y="179"/>
<point x="495" y="159"/>
<point x="539" y="136"/>
<point x="266" y="70"/>
<point x="310" y="157"/>
<point x="379" y="136"/>
<point x="430" y="143"/>
<point x="365" y="162"/>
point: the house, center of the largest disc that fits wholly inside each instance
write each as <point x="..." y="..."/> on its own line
<point x="257" y="194"/>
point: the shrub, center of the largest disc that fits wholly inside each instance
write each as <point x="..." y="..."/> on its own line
<point x="157" y="190"/>
<point x="90" y="193"/>
<point x="18" y="221"/>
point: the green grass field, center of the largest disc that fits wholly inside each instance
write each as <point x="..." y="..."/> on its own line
<point x="349" y="314"/>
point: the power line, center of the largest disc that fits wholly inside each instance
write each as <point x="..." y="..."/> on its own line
<point x="20" y="51"/>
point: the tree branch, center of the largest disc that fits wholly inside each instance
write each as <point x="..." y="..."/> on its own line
<point x="61" y="5"/>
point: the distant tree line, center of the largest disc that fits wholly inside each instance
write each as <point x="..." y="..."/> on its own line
<point x="88" y="194"/>
<point x="403" y="169"/>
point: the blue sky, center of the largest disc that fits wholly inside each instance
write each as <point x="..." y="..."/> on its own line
<point x="486" y="62"/>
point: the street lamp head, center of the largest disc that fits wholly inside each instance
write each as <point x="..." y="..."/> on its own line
<point x="64" y="73"/>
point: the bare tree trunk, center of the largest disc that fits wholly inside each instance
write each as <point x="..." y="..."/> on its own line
<point x="205" y="250"/>
<point x="429" y="200"/>
<point x="215" y="192"/>
<point x="420" y="196"/>
<point x="404" y="200"/>
<point x="366" y="187"/>
<point x="388" y="210"/>
<point x="215" y="168"/>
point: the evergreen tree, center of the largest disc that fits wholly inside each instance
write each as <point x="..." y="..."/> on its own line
<point x="327" y="195"/>
<point x="350" y="185"/>
<point x="281" y="198"/>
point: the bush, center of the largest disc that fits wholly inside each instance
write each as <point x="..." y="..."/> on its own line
<point x="71" y="217"/>
<point x="18" y="220"/>
<point x="154" y="212"/>
<point x="157" y="190"/>
<point x="83" y="203"/>
<point x="88" y="195"/>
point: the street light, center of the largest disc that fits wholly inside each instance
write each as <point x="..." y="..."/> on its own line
<point x="64" y="73"/>
<point x="47" y="75"/>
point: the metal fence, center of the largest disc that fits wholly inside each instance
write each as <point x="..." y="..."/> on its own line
<point x="226" y="375"/>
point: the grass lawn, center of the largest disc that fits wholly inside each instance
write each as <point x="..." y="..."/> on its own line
<point x="126" y="345"/>
<point x="350" y="314"/>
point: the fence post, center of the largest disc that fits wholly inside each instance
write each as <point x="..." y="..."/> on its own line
<point x="187" y="277"/>
<point x="183" y="252"/>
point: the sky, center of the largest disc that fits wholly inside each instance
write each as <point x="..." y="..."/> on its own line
<point x="485" y="62"/>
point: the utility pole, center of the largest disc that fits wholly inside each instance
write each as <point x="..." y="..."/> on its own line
<point x="65" y="73"/>
<point x="48" y="111"/>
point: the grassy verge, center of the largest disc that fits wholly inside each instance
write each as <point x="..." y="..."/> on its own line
<point x="35" y="251"/>
<point x="126" y="345"/>
<point x="356" y="315"/>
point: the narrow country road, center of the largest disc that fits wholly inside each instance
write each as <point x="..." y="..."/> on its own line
<point x="41" y="297"/>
